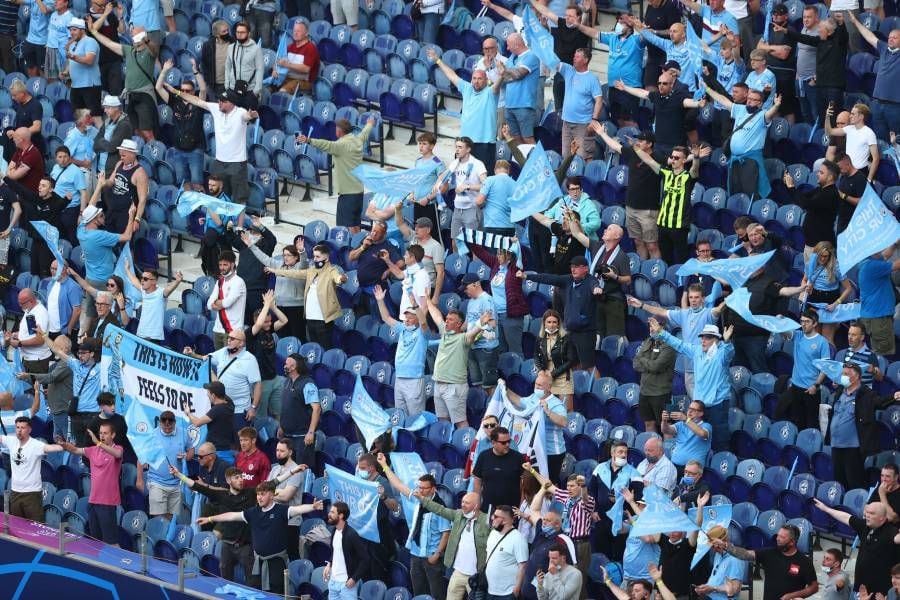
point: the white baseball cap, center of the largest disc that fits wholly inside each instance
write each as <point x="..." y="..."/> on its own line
<point x="89" y="214"/>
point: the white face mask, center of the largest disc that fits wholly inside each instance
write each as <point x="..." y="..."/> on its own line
<point x="845" y="380"/>
<point x="826" y="570"/>
<point x="893" y="50"/>
<point x="469" y="515"/>
<point x="620" y="29"/>
<point x="620" y="462"/>
<point x="551" y="331"/>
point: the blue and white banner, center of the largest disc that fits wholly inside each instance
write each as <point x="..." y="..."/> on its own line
<point x="536" y="186"/>
<point x="525" y="425"/>
<point x="8" y="381"/>
<point x="132" y="293"/>
<point x="361" y="496"/>
<point x="872" y="228"/>
<point x="396" y="185"/>
<point x="153" y="379"/>
<point x="616" y="513"/>
<point x="739" y="302"/>
<point x="841" y="313"/>
<point x="662" y="515"/>
<point x="494" y="241"/>
<point x="733" y="271"/>
<point x="832" y="368"/>
<point x="141" y="424"/>
<point x="539" y="39"/>
<point x="188" y="202"/>
<point x="371" y="419"/>
<point x="280" y="53"/>
<point x="408" y="467"/>
<point x="719" y="514"/>
<point x="51" y="236"/>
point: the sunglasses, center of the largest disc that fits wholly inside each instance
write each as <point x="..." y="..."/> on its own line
<point x="488" y="425"/>
<point x="205" y="455"/>
<point x="147" y="279"/>
<point x="663" y="83"/>
<point x="502" y="442"/>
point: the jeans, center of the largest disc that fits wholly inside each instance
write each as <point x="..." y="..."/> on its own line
<point x="270" y="402"/>
<point x="235" y="175"/>
<point x="188" y="165"/>
<point x="339" y="591"/>
<point x="428" y="27"/>
<point x="261" y="22"/>
<point x="717" y="417"/>
<point x="885" y="118"/>
<point x="61" y="425"/>
<point x="806" y="96"/>
<point x="511" y="333"/>
<point x="427" y="578"/>
<point x="750" y="352"/>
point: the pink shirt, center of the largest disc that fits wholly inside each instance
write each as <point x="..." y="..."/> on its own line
<point x="105" y="470"/>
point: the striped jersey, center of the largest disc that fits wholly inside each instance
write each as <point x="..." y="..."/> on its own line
<point x="674" y="210"/>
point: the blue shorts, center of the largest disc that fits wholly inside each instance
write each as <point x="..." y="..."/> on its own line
<point x="103" y="525"/>
<point x="349" y="210"/>
<point x="521" y="121"/>
<point x="188" y="165"/>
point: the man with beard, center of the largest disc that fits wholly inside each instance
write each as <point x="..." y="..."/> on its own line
<point x="288" y="489"/>
<point x="351" y="555"/>
<point x="269" y="531"/>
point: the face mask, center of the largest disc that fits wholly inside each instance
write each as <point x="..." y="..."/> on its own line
<point x="411" y="269"/>
<point x="783" y="547"/>
<point x="552" y="331"/>
<point x="652" y="459"/>
<point x="282" y="461"/>
<point x="548" y="530"/>
<point x="687" y="480"/>
<point x="697" y="420"/>
<point x="620" y="462"/>
<point x="411" y="327"/>
<point x="469" y="515"/>
<point x="676" y="542"/>
<point x="845" y="380"/>
<point x="572" y="26"/>
<point x="498" y="527"/>
<point x="318" y="264"/>
<point x="826" y="570"/>
<point x="752" y="110"/>
<point x="107" y="412"/>
<point x="362" y="474"/>
<point x="620" y="29"/>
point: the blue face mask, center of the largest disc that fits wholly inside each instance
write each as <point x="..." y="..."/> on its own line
<point x="546" y="530"/>
<point x="686" y="480"/>
<point x="363" y="474"/>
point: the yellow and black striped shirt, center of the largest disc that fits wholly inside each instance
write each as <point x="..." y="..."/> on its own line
<point x="674" y="211"/>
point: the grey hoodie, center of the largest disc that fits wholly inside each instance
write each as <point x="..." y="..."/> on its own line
<point x="244" y="62"/>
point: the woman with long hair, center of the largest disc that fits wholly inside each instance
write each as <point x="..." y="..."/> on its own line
<point x="555" y="354"/>
<point x="288" y="291"/>
<point x="824" y="284"/>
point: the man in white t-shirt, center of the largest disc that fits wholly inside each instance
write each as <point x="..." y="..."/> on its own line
<point x="230" y="127"/>
<point x="861" y="140"/>
<point x="433" y="250"/>
<point x="507" y="553"/>
<point x="35" y="353"/>
<point x="25" y="454"/>
<point x="467" y="173"/>
<point x="416" y="284"/>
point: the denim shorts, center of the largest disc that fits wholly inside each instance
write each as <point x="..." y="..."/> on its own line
<point x="521" y="121"/>
<point x="188" y="165"/>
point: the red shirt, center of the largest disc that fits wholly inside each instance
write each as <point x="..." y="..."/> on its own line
<point x="255" y="467"/>
<point x="310" y="55"/>
<point x="32" y="158"/>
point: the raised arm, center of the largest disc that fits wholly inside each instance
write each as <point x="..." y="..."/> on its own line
<point x="503" y="12"/>
<point x="382" y="307"/>
<point x="395" y="481"/>
<point x="161" y="80"/>
<point x="542" y="9"/>
<point x="838" y="515"/>
<point x="225" y="517"/>
<point x="863" y="30"/>
<point x="773" y="110"/>
<point x="720" y="98"/>
<point x="618" y="592"/>
<point x="302" y="509"/>
<point x="173" y="285"/>
<point x="647" y="159"/>
<point x="631" y="91"/>
<point x="612" y="143"/>
<point x="115" y="47"/>
<point x="85" y="285"/>
<point x="190" y="99"/>
<point x="434" y="312"/>
<point x="129" y="272"/>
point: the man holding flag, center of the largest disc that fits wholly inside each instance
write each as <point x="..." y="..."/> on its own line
<point x="300" y="61"/>
<point x="568" y="40"/>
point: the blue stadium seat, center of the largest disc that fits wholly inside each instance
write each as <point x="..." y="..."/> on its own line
<point x="767" y="525"/>
<point x="794" y="500"/>
<point x="748" y="473"/>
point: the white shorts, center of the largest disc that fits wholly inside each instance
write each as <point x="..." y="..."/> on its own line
<point x="345" y="11"/>
<point x="409" y="394"/>
<point x="450" y="400"/>
<point x="164" y="500"/>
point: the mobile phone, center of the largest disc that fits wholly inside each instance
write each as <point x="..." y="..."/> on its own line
<point x="31" y="322"/>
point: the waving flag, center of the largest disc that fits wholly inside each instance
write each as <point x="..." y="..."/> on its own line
<point x="770" y="4"/>
<point x="872" y="229"/>
<point x="841" y="313"/>
<point x="526" y="426"/>
<point x="280" y="53"/>
<point x="733" y="271"/>
<point x="188" y="202"/>
<point x="739" y="302"/>
<point x="371" y="419"/>
<point x="719" y="514"/>
<point x="616" y="514"/>
<point x="696" y="61"/>
<point x="396" y="184"/>
<point x="131" y="292"/>
<point x="662" y="515"/>
<point x="408" y="467"/>
<point x="536" y="186"/>
<point x="51" y="236"/>
<point x="832" y="368"/>
<point x="361" y="496"/>
<point x="539" y="39"/>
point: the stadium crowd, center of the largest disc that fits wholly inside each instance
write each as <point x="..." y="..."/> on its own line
<point x="654" y="389"/>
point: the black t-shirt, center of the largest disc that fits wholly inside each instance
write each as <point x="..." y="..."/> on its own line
<point x="566" y="40"/>
<point x="219" y="431"/>
<point x="7" y="197"/>
<point x="877" y="555"/>
<point x="215" y="477"/>
<point x="295" y="412"/>
<point x="188" y="120"/>
<point x="785" y="574"/>
<point x="26" y="115"/>
<point x="268" y="528"/>
<point x="499" y="478"/>
<point x="370" y="267"/>
<point x="675" y="561"/>
<point x="567" y="247"/>
<point x="669" y="118"/>
<point x="764" y="294"/>
<point x="852" y="185"/>
<point x="893" y="498"/>
<point x="821" y="207"/>
<point x="784" y="70"/>
<point x="643" y="183"/>
<point x="262" y="346"/>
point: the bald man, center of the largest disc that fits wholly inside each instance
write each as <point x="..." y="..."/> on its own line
<point x="612" y="269"/>
<point x="656" y="468"/>
<point x="35" y="318"/>
<point x="27" y="164"/>
<point x="521" y="77"/>
<point x="465" y="553"/>
<point x="877" y="546"/>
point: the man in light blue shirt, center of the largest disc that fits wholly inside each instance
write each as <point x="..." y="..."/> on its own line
<point x="760" y="78"/>
<point x="582" y="103"/>
<point x="494" y="200"/>
<point x="677" y="49"/>
<point x="164" y="488"/>
<point x="712" y="380"/>
<point x="800" y="402"/>
<point x="484" y="353"/>
<point x="409" y="360"/>
<point x="80" y="140"/>
<point x="85" y="384"/>
<point x="69" y="179"/>
<point x="714" y="16"/>
<point x="692" y="435"/>
<point x="36" y="40"/>
<point x="626" y="59"/>
<point x="521" y="77"/>
<point x="83" y="54"/>
<point x="238" y="371"/>
<point x="153" y="302"/>
<point x="727" y="571"/>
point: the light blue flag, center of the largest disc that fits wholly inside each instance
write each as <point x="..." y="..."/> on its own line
<point x="841" y="313"/>
<point x="539" y="39"/>
<point x="371" y="419"/>
<point x="131" y="292"/>
<point x="188" y="202"/>
<point x="141" y="436"/>
<point x="872" y="228"/>
<point x="448" y="18"/>
<point x="536" y="186"/>
<point x="395" y="184"/>
<point x="616" y="514"/>
<point x="51" y="236"/>
<point x="361" y="496"/>
<point x="8" y="381"/>
<point x="770" y="4"/>
<point x="662" y="515"/>
<point x="832" y="368"/>
<point x="739" y="302"/>
<point x="408" y="467"/>
<point x="695" y="64"/>
<point x="733" y="271"/>
<point x="719" y="514"/>
<point x="280" y="53"/>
